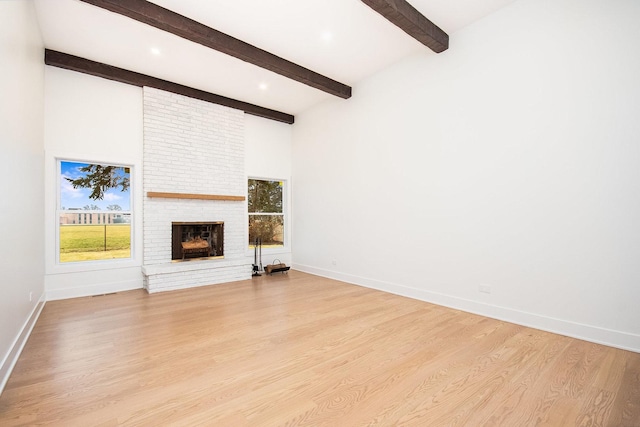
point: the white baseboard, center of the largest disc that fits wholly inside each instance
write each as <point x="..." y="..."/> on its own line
<point x="595" y="334"/>
<point x="91" y="290"/>
<point x="12" y="356"/>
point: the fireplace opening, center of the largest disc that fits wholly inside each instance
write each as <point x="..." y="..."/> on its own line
<point x="197" y="240"/>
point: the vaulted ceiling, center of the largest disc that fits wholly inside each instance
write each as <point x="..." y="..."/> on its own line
<point x="344" y="40"/>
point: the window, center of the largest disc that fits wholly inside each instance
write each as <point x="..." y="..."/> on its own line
<point x="94" y="212"/>
<point x="266" y="213"/>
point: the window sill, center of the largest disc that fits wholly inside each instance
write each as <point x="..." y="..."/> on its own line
<point x="86" y="266"/>
<point x="270" y="251"/>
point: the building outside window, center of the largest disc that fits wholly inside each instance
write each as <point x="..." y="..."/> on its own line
<point x="265" y="201"/>
<point x="94" y="212"/>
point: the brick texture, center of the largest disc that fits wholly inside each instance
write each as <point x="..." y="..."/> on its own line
<point x="192" y="146"/>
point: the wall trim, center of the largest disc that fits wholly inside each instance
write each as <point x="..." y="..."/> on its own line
<point x="97" y="289"/>
<point x="595" y="334"/>
<point x="10" y="360"/>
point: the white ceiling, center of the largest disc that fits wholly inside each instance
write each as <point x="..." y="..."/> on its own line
<point x="341" y="39"/>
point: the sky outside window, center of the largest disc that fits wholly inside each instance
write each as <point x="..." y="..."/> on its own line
<point x="78" y="198"/>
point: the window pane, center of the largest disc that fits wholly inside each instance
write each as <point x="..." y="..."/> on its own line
<point x="264" y="196"/>
<point x="82" y="241"/>
<point x="94" y="212"/>
<point x="94" y="187"/>
<point x="270" y="228"/>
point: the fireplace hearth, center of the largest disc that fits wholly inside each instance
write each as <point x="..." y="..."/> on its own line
<point x="197" y="240"/>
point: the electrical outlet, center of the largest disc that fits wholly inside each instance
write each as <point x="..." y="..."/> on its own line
<point x="334" y="262"/>
<point x="486" y="289"/>
<point x="30" y="296"/>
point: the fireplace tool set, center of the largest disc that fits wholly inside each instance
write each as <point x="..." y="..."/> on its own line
<point x="257" y="247"/>
<point x="276" y="267"/>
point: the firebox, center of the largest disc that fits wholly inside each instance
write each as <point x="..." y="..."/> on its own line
<point x="191" y="240"/>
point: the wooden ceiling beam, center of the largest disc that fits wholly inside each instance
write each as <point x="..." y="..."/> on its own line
<point x="99" y="69"/>
<point x="167" y="20"/>
<point x="412" y="22"/>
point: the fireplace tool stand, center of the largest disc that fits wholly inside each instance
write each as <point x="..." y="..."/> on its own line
<point x="257" y="247"/>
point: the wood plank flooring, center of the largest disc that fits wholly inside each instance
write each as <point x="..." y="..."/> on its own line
<point x="300" y="350"/>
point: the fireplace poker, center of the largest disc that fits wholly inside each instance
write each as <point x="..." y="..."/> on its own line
<point x="260" y="240"/>
<point x="256" y="269"/>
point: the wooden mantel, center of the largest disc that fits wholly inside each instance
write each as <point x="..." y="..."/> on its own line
<point x="195" y="196"/>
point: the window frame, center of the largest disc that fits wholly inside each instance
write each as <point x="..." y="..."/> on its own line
<point x="102" y="263"/>
<point x="285" y="216"/>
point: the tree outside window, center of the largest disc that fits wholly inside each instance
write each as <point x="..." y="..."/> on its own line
<point x="266" y="213"/>
<point x="94" y="212"/>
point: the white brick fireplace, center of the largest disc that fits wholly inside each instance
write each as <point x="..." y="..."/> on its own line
<point x="192" y="148"/>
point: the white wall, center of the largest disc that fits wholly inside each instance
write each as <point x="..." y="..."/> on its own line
<point x="91" y="119"/>
<point x="510" y="160"/>
<point x="268" y="155"/>
<point x="21" y="175"/>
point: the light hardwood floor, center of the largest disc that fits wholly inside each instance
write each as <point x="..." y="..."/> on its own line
<point x="298" y="349"/>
